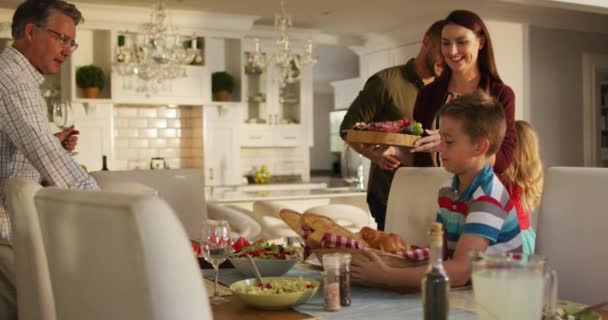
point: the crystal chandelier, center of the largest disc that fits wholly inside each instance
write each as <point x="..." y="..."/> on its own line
<point x="288" y="63"/>
<point x="155" y="55"/>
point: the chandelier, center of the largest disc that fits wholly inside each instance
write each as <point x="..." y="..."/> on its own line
<point x="156" y="54"/>
<point x="288" y="63"/>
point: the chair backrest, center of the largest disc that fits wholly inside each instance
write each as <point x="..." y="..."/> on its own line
<point x="239" y="219"/>
<point x="34" y="294"/>
<point x="412" y="202"/>
<point x="350" y="217"/>
<point x="181" y="188"/>
<point x="572" y="231"/>
<point x="116" y="256"/>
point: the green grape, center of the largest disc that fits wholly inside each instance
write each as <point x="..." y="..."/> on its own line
<point x="417" y="129"/>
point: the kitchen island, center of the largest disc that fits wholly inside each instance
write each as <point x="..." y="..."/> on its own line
<point x="297" y="199"/>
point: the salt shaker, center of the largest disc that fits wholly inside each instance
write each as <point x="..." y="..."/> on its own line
<point x="345" y="259"/>
<point x="331" y="277"/>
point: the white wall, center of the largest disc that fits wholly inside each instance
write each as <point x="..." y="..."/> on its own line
<point x="555" y="72"/>
<point x="508" y="43"/>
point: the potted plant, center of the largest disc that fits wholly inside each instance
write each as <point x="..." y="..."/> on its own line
<point x="222" y="84"/>
<point x="90" y="79"/>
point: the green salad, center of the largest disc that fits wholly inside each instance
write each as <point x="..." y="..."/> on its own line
<point x="265" y="250"/>
<point x="277" y="287"/>
<point x="566" y="311"/>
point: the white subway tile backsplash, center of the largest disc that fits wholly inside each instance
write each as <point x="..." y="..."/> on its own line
<point x="138" y="143"/>
<point x="121" y="123"/>
<point x="174" y="123"/>
<point x="147" y="113"/>
<point x="174" y="142"/>
<point x="127" y="133"/>
<point x="158" y="143"/>
<point x="144" y="132"/>
<point x="138" y="123"/>
<point x="169" y="153"/>
<point x="121" y="143"/>
<point x="168" y="113"/>
<point x="158" y="123"/>
<point x="149" y="133"/>
<point x="167" y="133"/>
<point x="126" y="112"/>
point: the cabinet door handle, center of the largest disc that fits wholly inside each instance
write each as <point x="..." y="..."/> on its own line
<point x="289" y="137"/>
<point x="255" y="137"/>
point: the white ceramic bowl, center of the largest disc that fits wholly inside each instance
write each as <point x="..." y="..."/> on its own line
<point x="274" y="301"/>
<point x="267" y="267"/>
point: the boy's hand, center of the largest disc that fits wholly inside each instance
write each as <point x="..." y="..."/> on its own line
<point x="428" y="143"/>
<point x="366" y="272"/>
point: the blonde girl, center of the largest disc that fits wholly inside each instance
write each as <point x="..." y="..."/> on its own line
<point x="524" y="179"/>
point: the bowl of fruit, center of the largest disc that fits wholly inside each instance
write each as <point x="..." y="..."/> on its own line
<point x="272" y="260"/>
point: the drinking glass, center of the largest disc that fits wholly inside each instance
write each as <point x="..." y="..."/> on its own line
<point x="63" y="116"/>
<point x="215" y="247"/>
<point x="513" y="286"/>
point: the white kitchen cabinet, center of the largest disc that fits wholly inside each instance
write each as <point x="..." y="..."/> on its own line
<point x="276" y="116"/>
<point x="194" y="89"/>
<point x="221" y="143"/>
<point x="94" y="121"/>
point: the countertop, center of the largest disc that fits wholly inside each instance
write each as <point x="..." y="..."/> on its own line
<point x="224" y="196"/>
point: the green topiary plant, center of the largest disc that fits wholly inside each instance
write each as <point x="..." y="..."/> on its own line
<point x="222" y="80"/>
<point x="90" y="76"/>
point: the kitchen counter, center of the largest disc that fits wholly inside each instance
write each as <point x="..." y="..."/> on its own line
<point x="225" y="196"/>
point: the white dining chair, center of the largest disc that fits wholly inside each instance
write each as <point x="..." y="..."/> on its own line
<point x="572" y="231"/>
<point x="266" y="213"/>
<point x="118" y="256"/>
<point x="412" y="202"/>
<point x="33" y="284"/>
<point x="239" y="219"/>
<point x="183" y="189"/>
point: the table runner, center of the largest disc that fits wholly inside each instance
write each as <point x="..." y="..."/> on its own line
<point x="367" y="303"/>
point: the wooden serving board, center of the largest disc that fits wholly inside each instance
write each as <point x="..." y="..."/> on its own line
<point x="384" y="138"/>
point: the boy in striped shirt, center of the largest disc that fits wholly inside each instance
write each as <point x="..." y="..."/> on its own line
<point x="475" y="210"/>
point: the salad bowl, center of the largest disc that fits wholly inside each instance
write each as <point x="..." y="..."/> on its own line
<point x="271" y="259"/>
<point x="286" y="292"/>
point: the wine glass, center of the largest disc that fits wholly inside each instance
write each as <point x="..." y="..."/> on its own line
<point x="63" y="116"/>
<point x="215" y="247"/>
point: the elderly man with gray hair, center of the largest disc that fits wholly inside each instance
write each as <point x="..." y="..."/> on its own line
<point x="44" y="33"/>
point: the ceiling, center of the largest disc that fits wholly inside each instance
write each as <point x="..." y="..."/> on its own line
<point x="358" y="17"/>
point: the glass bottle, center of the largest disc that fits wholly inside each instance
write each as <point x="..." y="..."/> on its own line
<point x="345" y="259"/>
<point x="104" y="163"/>
<point x="331" y="280"/>
<point x="435" y="284"/>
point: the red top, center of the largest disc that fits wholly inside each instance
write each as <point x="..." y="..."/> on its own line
<point x="433" y="96"/>
<point x="523" y="216"/>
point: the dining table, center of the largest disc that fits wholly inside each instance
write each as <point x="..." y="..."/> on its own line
<point x="462" y="304"/>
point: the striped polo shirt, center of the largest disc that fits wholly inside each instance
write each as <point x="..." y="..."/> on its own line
<point x="484" y="209"/>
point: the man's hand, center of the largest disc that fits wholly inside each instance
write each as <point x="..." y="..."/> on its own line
<point x="382" y="156"/>
<point x="68" y="138"/>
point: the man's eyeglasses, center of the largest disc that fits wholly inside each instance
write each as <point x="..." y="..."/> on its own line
<point x="64" y="40"/>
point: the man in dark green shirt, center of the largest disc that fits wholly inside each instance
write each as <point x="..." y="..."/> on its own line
<point x="391" y="94"/>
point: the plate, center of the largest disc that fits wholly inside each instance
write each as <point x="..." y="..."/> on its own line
<point x="274" y="301"/>
<point x="572" y="307"/>
<point x="384" y="138"/>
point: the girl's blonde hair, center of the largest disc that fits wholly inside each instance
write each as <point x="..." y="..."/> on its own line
<point x="526" y="170"/>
